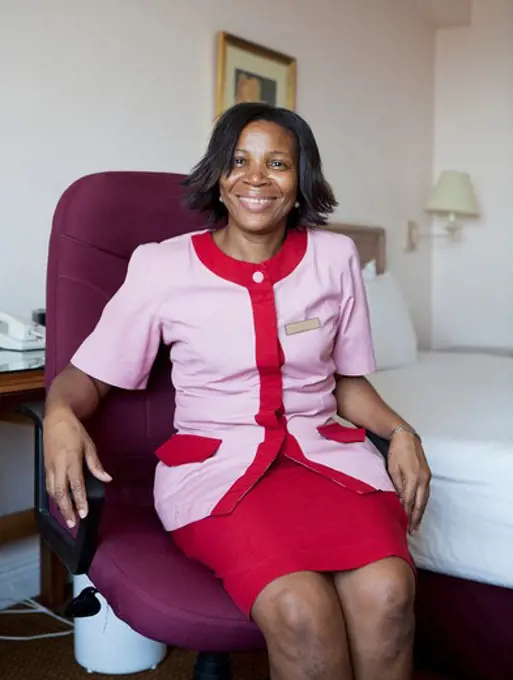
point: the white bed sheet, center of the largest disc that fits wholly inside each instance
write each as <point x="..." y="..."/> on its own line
<point x="462" y="404"/>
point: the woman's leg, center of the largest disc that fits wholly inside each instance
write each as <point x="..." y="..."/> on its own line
<point x="301" y="619"/>
<point x="377" y="601"/>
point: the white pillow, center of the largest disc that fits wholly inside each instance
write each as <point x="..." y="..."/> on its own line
<point x="369" y="270"/>
<point x="393" y="333"/>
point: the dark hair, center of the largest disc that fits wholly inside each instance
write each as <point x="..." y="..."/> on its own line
<point x="315" y="196"/>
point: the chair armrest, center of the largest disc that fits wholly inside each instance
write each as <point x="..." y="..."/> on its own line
<point x="381" y="444"/>
<point x="76" y="552"/>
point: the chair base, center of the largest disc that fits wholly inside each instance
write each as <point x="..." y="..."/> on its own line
<point x="212" y="667"/>
<point x="105" y="644"/>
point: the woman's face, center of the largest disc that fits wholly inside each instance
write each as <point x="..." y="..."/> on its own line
<point x="261" y="189"/>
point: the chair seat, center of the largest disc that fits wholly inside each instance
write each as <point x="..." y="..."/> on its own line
<point x="161" y="593"/>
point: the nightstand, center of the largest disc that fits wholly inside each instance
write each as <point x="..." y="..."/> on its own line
<point x="491" y="351"/>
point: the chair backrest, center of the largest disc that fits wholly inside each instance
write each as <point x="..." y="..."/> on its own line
<point x="99" y="221"/>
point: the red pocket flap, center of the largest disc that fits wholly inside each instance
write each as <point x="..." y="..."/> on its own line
<point x="342" y="434"/>
<point x="187" y="448"/>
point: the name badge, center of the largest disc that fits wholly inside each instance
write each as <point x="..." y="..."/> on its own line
<point x="302" y="326"/>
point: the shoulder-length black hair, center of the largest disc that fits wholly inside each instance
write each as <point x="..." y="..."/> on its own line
<point x="315" y="196"/>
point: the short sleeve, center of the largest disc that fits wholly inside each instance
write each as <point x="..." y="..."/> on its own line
<point x="353" y="351"/>
<point x="121" y="349"/>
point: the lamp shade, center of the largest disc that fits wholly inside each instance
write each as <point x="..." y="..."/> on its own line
<point x="453" y="193"/>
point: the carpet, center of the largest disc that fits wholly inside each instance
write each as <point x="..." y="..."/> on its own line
<point x="53" y="659"/>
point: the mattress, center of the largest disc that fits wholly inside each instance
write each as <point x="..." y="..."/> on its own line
<point x="462" y="405"/>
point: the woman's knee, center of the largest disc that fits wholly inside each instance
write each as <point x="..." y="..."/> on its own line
<point x="392" y="592"/>
<point x="299" y="610"/>
<point x="383" y="593"/>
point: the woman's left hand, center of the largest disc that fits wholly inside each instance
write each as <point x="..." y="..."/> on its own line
<point x="410" y="473"/>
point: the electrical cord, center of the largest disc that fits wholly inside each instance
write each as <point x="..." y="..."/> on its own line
<point x="43" y="636"/>
<point x="34" y="607"/>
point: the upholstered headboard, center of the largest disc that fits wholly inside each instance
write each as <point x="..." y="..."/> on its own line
<point x="370" y="242"/>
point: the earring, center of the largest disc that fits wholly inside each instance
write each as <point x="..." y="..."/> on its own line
<point x="221" y="199"/>
<point x="296" y="204"/>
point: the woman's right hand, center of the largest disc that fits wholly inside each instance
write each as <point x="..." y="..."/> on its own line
<point x="66" y="444"/>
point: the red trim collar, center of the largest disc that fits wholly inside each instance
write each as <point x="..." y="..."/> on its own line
<point x="276" y="268"/>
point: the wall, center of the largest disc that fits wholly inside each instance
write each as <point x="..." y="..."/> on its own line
<point x="474" y="133"/>
<point x="128" y="84"/>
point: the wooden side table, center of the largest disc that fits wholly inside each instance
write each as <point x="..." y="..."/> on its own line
<point x="21" y="379"/>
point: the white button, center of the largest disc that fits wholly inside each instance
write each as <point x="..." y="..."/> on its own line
<point x="258" y="277"/>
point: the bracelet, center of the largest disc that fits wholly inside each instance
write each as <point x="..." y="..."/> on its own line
<point x="402" y="428"/>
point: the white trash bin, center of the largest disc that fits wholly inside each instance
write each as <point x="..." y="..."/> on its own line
<point x="105" y="644"/>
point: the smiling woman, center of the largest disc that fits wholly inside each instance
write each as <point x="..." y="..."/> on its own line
<point x="267" y="323"/>
<point x="275" y="146"/>
<point x="260" y="191"/>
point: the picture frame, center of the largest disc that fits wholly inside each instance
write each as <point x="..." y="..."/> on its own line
<point x="247" y="71"/>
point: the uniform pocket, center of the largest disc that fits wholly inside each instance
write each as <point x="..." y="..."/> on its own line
<point x="187" y="448"/>
<point x="340" y="433"/>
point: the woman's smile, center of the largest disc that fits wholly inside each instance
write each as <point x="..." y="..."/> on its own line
<point x="256" y="204"/>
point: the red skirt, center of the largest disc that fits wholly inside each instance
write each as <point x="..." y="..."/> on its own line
<point x="294" y="520"/>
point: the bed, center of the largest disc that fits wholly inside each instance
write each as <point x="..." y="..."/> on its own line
<point x="462" y="406"/>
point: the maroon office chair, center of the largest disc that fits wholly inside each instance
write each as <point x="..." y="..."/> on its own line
<point x="122" y="546"/>
<point x="133" y="563"/>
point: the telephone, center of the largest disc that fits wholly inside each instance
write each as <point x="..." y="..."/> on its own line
<point x="20" y="335"/>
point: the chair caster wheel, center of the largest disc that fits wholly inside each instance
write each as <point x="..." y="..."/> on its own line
<point x="212" y="667"/>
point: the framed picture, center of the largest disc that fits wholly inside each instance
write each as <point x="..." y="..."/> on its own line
<point x="247" y="72"/>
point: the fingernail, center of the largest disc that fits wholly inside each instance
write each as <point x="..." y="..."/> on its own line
<point x="82" y="513"/>
<point x="70" y="523"/>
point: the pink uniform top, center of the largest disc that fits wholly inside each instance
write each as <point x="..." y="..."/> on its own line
<point x="255" y="349"/>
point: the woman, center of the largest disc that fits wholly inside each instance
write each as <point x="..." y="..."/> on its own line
<point x="269" y="333"/>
